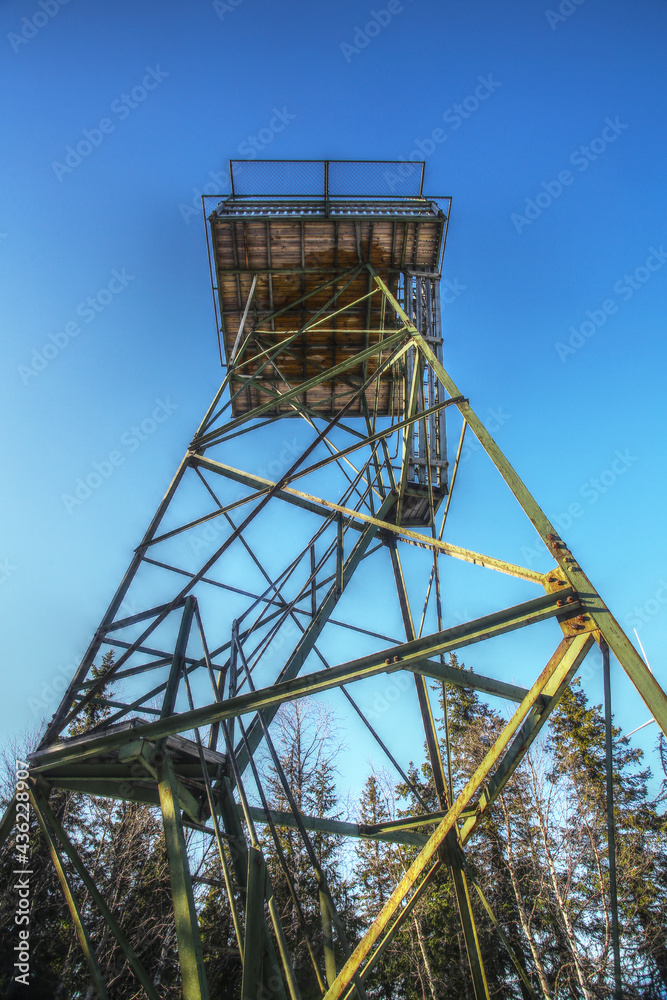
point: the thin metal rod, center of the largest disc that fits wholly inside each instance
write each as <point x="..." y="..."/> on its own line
<point x="214" y="816"/>
<point x="281" y="857"/>
<point x="307" y="843"/>
<point x="503" y="937"/>
<point x="239" y="335"/>
<point x="611" y="839"/>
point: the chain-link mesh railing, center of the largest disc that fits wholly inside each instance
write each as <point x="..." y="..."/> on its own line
<point x="374" y="178"/>
<point x="325" y="179"/>
<point x="277" y="178"/>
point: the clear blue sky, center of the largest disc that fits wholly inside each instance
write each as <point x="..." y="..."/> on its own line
<point x="549" y="136"/>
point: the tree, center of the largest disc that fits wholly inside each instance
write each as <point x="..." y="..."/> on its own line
<point x="577" y="747"/>
<point x="378" y="867"/>
<point x="122" y="847"/>
<point x="93" y="713"/>
<point x="222" y="959"/>
<point x="427" y="958"/>
<point x="55" y="961"/>
<point x="304" y="736"/>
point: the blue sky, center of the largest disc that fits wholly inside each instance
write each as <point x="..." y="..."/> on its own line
<point x="545" y="125"/>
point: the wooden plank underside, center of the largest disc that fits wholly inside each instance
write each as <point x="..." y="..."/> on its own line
<point x="315" y="251"/>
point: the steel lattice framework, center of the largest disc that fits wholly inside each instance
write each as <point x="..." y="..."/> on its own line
<point x="329" y="318"/>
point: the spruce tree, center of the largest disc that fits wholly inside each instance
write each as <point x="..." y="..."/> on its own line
<point x="93" y="713"/>
<point x="428" y="955"/>
<point x="122" y="847"/>
<point x="305" y="740"/>
<point x="577" y="747"/>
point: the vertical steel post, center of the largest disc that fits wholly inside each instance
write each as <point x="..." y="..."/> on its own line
<point x="178" y="660"/>
<point x="327" y="939"/>
<point x="339" y="555"/>
<point x="254" y="925"/>
<point x="313" y="581"/>
<point x="233" y="673"/>
<point x="190" y="955"/>
<point x="326" y="187"/>
<point x="239" y="857"/>
<point x="473" y="950"/>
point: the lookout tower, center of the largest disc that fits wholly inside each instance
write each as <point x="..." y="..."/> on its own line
<point x="331" y="571"/>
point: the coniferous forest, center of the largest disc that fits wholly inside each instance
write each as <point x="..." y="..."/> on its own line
<point x="540" y="864"/>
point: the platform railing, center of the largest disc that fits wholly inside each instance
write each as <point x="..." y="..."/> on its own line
<point x="326" y="179"/>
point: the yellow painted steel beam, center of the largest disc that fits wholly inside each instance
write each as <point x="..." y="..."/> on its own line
<point x="652" y="693"/>
<point x="412" y="881"/>
<point x="567" y="658"/>
<point x="288" y="492"/>
<point x="407" y="655"/>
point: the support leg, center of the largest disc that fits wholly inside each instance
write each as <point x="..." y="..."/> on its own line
<point x="254" y="925"/>
<point x="72" y="904"/>
<point x="473" y="950"/>
<point x="327" y="935"/>
<point x="187" y="925"/>
<point x="113" y="924"/>
<point x="452" y="848"/>
<point x="413" y="882"/>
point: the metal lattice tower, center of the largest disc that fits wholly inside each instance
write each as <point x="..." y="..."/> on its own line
<point x="246" y="592"/>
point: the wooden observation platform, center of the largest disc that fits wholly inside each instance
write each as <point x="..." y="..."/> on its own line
<point x="315" y="264"/>
<point x="284" y="265"/>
